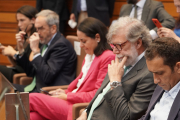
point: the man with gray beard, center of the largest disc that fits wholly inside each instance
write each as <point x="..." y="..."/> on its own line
<point x="126" y="90"/>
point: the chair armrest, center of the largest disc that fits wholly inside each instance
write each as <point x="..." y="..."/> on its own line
<point x="76" y="109"/>
<point x="16" y="77"/>
<point x="25" y="80"/>
<point x="64" y="87"/>
<point x="11" y="60"/>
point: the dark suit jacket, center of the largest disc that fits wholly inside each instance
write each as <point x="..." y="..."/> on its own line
<point x="174" y="113"/>
<point x="99" y="9"/>
<point x="152" y="9"/>
<point x="59" y="6"/>
<point x="56" y="67"/>
<point x="129" y="101"/>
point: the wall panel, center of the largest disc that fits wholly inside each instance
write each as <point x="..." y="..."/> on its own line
<point x="8" y="23"/>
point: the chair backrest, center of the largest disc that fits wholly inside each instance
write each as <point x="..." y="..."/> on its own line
<point x="80" y="53"/>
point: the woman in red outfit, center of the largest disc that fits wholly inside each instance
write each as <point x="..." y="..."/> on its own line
<point x="92" y="35"/>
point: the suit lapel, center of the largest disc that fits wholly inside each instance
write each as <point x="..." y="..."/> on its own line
<point x="93" y="65"/>
<point x="129" y="75"/>
<point x="133" y="72"/>
<point x="175" y="108"/>
<point x="103" y="85"/>
<point x="128" y="10"/>
<point x="155" y="98"/>
<point x="145" y="11"/>
<point x="58" y="35"/>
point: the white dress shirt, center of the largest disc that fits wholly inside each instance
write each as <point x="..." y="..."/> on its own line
<point x="162" y="107"/>
<point x="83" y="5"/>
<point x="88" y="61"/>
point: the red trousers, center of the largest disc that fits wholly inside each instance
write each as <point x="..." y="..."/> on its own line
<point x="44" y="107"/>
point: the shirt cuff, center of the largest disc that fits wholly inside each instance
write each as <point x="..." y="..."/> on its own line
<point x="153" y="34"/>
<point x="35" y="56"/>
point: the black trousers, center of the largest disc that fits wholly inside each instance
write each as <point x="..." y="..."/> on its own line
<point x="8" y="72"/>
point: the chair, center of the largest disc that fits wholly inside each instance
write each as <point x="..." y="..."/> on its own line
<point x="21" y="78"/>
<point x="80" y="57"/>
<point x="76" y="107"/>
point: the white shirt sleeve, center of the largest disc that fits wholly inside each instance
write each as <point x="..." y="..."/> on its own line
<point x="153" y="34"/>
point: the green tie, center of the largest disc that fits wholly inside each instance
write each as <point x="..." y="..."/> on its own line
<point x="126" y="68"/>
<point x="98" y="100"/>
<point x="31" y="86"/>
<point x="135" y="11"/>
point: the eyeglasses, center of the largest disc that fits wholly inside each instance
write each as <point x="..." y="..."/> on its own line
<point x="40" y="28"/>
<point x="118" y="46"/>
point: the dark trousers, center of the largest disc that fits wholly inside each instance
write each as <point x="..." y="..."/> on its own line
<point x="62" y="26"/>
<point x="7" y="72"/>
<point x="20" y="88"/>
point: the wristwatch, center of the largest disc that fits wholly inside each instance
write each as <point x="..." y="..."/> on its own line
<point x="114" y="84"/>
<point x="16" y="56"/>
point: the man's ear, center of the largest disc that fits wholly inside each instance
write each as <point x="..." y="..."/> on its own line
<point x="97" y="37"/>
<point x="138" y="43"/>
<point x="53" y="29"/>
<point x="178" y="67"/>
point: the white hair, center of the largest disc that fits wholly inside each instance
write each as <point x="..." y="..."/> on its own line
<point x="132" y="28"/>
<point x="52" y="18"/>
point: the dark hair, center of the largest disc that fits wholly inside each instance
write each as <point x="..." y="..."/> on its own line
<point x="167" y="48"/>
<point x="30" y="12"/>
<point x="90" y="27"/>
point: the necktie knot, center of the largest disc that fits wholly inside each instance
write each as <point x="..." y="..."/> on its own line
<point x="44" y="47"/>
<point x="126" y="68"/>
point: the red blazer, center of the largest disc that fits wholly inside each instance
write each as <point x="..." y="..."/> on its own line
<point x="92" y="81"/>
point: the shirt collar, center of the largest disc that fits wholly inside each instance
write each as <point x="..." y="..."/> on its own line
<point x="137" y="59"/>
<point x="51" y="39"/>
<point x="141" y="3"/>
<point x="89" y="57"/>
<point x="174" y="91"/>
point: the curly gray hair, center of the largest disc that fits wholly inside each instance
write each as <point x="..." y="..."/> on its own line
<point x="133" y="29"/>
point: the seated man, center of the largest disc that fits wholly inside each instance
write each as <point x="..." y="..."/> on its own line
<point x="145" y="10"/>
<point x="163" y="60"/>
<point x="124" y="93"/>
<point x="55" y="63"/>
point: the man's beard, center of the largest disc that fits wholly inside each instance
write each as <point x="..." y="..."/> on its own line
<point x="47" y="38"/>
<point x="131" y="57"/>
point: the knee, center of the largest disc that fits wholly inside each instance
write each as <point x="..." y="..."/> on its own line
<point x="33" y="97"/>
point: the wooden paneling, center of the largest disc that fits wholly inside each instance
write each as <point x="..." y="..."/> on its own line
<point x="117" y="8"/>
<point x="14" y="5"/>
<point x="7" y="38"/>
<point x="7" y="17"/>
<point x="8" y="23"/>
<point x="4" y="60"/>
<point x="171" y="9"/>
